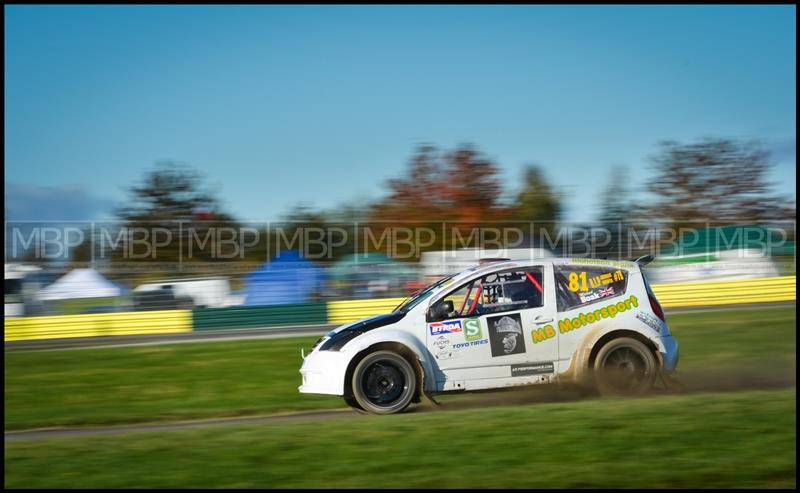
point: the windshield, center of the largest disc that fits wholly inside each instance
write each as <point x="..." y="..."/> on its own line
<point x="415" y="299"/>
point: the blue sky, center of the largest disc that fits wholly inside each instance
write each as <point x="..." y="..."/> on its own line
<point x="280" y="105"/>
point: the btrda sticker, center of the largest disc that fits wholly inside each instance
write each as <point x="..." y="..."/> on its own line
<point x="505" y="335"/>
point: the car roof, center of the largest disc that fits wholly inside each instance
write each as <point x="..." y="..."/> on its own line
<point x="506" y="264"/>
<point x="480" y="270"/>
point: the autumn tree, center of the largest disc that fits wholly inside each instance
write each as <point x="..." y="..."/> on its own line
<point x="460" y="185"/>
<point x="472" y="187"/>
<point x="419" y="196"/>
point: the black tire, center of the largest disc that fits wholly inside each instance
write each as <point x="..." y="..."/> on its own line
<point x="384" y="383"/>
<point x="351" y="401"/>
<point x="624" y="366"/>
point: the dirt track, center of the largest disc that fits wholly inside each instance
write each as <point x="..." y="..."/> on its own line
<point x="687" y="383"/>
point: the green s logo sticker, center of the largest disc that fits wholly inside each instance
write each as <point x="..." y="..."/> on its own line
<point x="472" y="329"/>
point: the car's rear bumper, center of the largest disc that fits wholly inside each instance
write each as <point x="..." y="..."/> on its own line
<point x="670" y="354"/>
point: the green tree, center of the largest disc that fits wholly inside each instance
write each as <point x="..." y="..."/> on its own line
<point x="617" y="205"/>
<point x="536" y="201"/>
<point x="617" y="213"/>
<point x="172" y="192"/>
<point x="717" y="180"/>
<point x="173" y="215"/>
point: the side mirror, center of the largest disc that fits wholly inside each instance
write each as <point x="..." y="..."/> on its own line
<point x="440" y="310"/>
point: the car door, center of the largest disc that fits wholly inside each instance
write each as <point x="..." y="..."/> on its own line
<point x="588" y="297"/>
<point x="500" y="325"/>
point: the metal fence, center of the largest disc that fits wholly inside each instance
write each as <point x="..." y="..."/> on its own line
<point x="338" y="312"/>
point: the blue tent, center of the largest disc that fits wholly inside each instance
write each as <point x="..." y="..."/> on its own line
<point x="286" y="278"/>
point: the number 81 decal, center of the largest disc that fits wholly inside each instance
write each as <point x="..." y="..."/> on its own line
<point x="579" y="281"/>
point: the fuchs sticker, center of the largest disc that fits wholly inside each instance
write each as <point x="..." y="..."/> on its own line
<point x="441" y="342"/>
<point x="451" y="327"/>
<point x="532" y="369"/>
<point x="472" y="329"/>
<point x="505" y="335"/>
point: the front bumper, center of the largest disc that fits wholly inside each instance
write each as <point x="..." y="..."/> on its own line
<point x="670" y="354"/>
<point x="323" y="372"/>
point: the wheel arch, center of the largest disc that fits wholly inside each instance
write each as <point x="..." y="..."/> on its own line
<point x="401" y="348"/>
<point x="582" y="360"/>
<point x="617" y="333"/>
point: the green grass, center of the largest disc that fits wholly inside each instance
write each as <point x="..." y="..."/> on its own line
<point x="761" y="339"/>
<point x="156" y="383"/>
<point x="201" y="380"/>
<point x="743" y="439"/>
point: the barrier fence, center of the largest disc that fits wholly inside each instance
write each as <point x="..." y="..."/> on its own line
<point x="688" y="294"/>
<point x="773" y="289"/>
<point x="248" y="317"/>
<point x="340" y="312"/>
<point x="106" y="324"/>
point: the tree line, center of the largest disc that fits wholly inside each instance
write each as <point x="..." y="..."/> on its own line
<point x="714" y="181"/>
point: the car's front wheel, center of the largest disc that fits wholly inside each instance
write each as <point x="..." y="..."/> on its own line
<point x="624" y="366"/>
<point x="351" y="401"/>
<point x="384" y="383"/>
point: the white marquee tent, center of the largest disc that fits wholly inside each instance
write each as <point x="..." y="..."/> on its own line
<point x="80" y="283"/>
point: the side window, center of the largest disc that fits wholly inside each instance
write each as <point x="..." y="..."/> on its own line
<point x="578" y="285"/>
<point x="493" y="293"/>
<point x="510" y="290"/>
<point x="456" y="304"/>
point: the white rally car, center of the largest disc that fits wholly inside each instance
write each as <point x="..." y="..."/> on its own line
<point x="501" y="324"/>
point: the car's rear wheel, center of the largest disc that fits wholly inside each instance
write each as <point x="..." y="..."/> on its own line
<point x="624" y="366"/>
<point x="384" y="383"/>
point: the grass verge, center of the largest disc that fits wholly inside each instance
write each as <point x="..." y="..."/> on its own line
<point x="743" y="439"/>
<point x="202" y="380"/>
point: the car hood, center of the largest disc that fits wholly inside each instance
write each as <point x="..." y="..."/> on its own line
<point x="336" y="339"/>
<point x="370" y="323"/>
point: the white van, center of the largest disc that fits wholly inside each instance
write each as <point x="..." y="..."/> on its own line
<point x="211" y="292"/>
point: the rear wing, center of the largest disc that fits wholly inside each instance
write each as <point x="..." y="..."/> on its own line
<point x="644" y="260"/>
